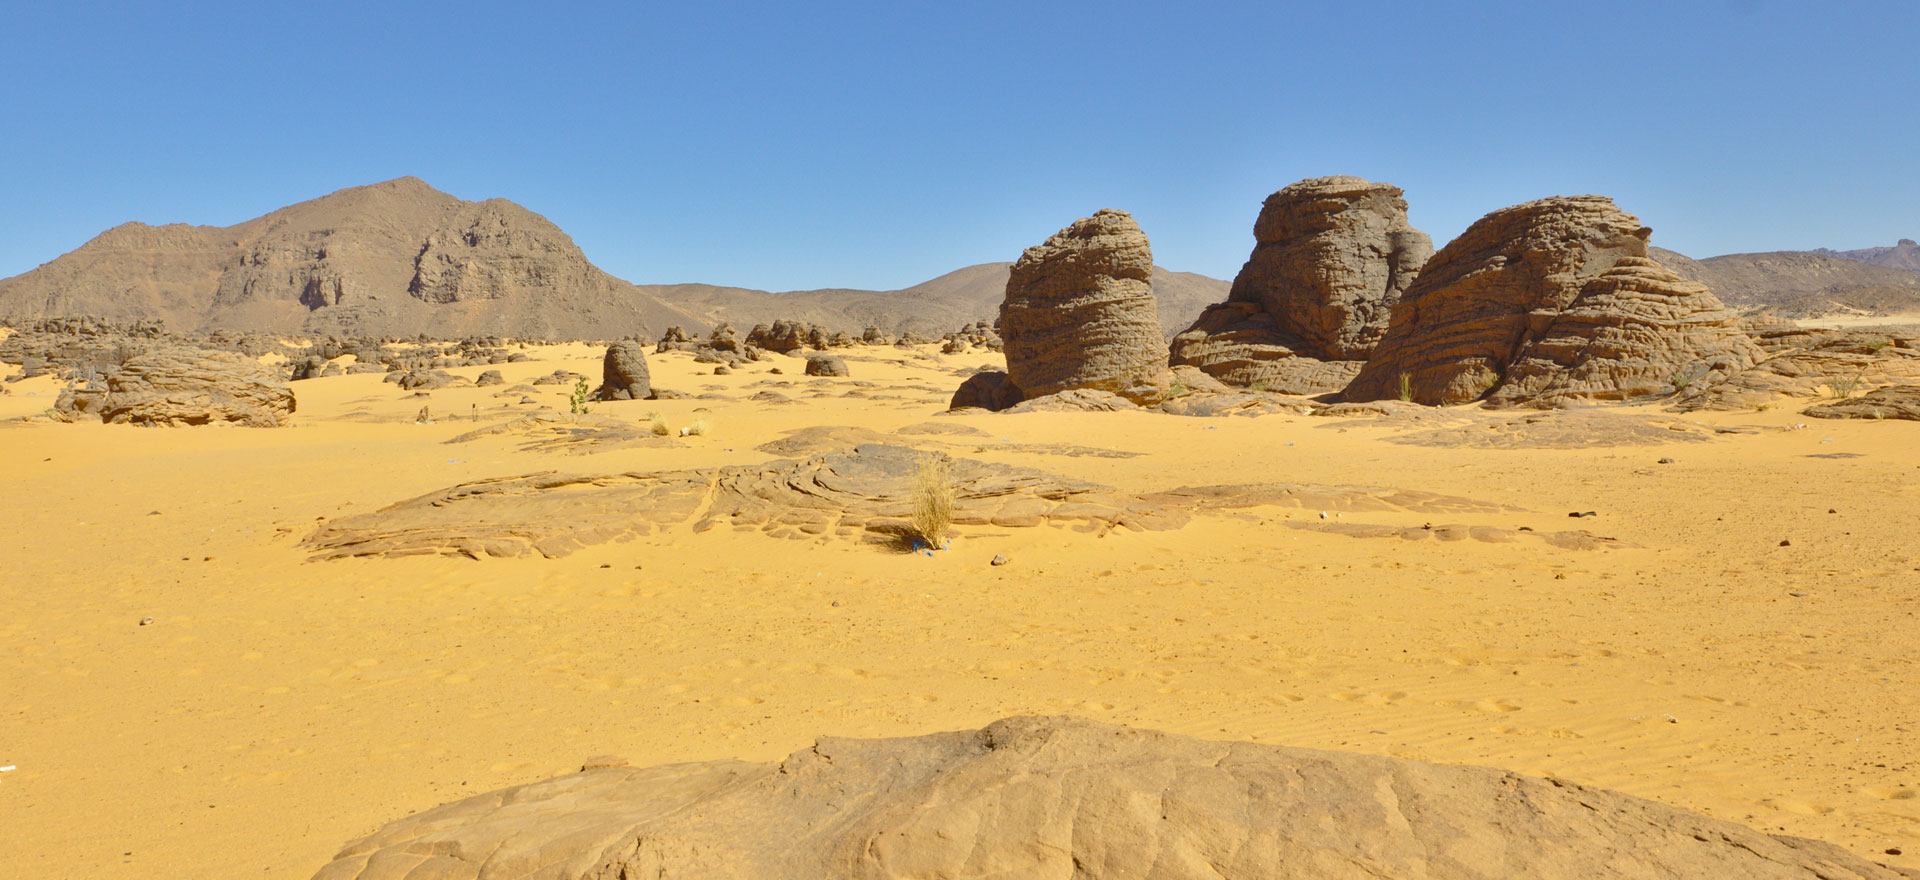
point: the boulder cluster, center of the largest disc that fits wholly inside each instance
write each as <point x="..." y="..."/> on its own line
<point x="1550" y="303"/>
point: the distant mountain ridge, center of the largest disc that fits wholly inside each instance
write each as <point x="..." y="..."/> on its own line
<point x="1802" y="284"/>
<point x="1903" y="255"/>
<point x="400" y="258"/>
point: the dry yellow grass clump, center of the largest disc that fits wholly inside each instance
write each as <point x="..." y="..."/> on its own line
<point x="933" y="499"/>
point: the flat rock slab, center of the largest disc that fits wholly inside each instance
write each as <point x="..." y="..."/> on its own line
<point x="1064" y="797"/>
<point x="1560" y="429"/>
<point x="569" y="433"/>
<point x="1565" y="540"/>
<point x="863" y="493"/>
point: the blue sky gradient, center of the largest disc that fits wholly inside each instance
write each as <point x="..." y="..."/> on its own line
<point x="880" y="144"/>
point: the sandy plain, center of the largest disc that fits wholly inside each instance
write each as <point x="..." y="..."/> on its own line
<point x="1755" y="654"/>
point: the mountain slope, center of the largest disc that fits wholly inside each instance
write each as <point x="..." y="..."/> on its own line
<point x="392" y="258"/>
<point x="1801" y="284"/>
<point x="1904" y="255"/>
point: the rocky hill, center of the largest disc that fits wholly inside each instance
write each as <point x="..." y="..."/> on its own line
<point x="400" y="258"/>
<point x="392" y="258"/>
<point x="1801" y="284"/>
<point x="1903" y="255"/>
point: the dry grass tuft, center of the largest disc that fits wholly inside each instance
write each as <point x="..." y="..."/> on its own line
<point x="696" y="429"/>
<point x="934" y="494"/>
<point x="657" y="423"/>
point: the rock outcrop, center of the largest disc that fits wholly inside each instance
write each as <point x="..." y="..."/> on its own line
<point x="1065" y="797"/>
<point x="1079" y="313"/>
<point x="184" y="386"/>
<point x="1895" y="402"/>
<point x="1528" y="296"/>
<point x="623" y="373"/>
<point x="1331" y="257"/>
<point x="1808" y="362"/>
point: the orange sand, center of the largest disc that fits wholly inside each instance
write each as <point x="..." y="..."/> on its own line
<point x="276" y="708"/>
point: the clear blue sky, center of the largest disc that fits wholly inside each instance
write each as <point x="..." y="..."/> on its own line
<point x="880" y="144"/>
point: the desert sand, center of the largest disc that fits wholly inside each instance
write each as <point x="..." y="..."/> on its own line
<point x="1747" y="647"/>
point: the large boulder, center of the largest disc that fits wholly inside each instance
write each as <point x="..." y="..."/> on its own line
<point x="186" y="386"/>
<point x="1502" y="298"/>
<point x="623" y="373"/>
<point x="1079" y="313"/>
<point x="1331" y="257"/>
<point x="1064" y="797"/>
<point x="825" y="365"/>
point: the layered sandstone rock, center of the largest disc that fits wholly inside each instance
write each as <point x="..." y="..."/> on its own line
<point x="1065" y="797"/>
<point x="185" y="386"/>
<point x="1528" y="291"/>
<point x="623" y="373"/>
<point x="1331" y="257"/>
<point x="1809" y="362"/>
<point x="1636" y="331"/>
<point x="1896" y="402"/>
<point x="1080" y="313"/>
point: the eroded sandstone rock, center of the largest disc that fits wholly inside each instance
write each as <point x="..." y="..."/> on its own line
<point x="623" y="373"/>
<point x="1034" y="797"/>
<point x="186" y="386"/>
<point x="1331" y="257"/>
<point x="1636" y="331"/>
<point x="1080" y="314"/>
<point x="1485" y="297"/>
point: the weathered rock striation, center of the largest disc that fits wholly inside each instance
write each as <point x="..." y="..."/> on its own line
<point x="866" y="493"/>
<point x="1636" y="331"/>
<point x="1526" y="296"/>
<point x="1331" y="257"/>
<point x="1079" y="313"/>
<point x="185" y="386"/>
<point x="1065" y="797"/>
<point x="1894" y="402"/>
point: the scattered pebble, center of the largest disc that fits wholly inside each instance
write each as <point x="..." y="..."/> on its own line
<point x="1666" y="461"/>
<point x="999" y="559"/>
<point x="1580" y="513"/>
<point x="1785" y="543"/>
<point x="145" y="620"/>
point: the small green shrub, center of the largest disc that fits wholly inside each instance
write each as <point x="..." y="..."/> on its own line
<point x="1406" y="387"/>
<point x="580" y="396"/>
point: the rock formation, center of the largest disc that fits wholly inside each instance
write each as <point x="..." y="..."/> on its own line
<point x="1065" y="797"/>
<point x="1331" y="257"/>
<point x="184" y="386"/>
<point x="1526" y="296"/>
<point x="623" y="373"/>
<point x="1808" y="362"/>
<point x="1895" y="402"/>
<point x="825" y="365"/>
<point x="1079" y="313"/>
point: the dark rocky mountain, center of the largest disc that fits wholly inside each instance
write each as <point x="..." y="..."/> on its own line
<point x="400" y="258"/>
